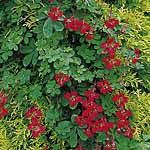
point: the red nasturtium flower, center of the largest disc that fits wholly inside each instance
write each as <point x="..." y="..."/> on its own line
<point x="72" y="23"/>
<point x="3" y="100"/>
<point x="79" y="148"/>
<point x="111" y="23"/>
<point x="120" y="99"/>
<point x="61" y="78"/>
<point x="35" y="126"/>
<point x="111" y="62"/>
<point x="110" y="46"/>
<point x="129" y="132"/>
<point x="33" y="112"/>
<point x="104" y="86"/>
<point x="50" y="1"/>
<point x="3" y="111"/>
<point x="55" y="13"/>
<point x="137" y="56"/>
<point x="73" y="98"/>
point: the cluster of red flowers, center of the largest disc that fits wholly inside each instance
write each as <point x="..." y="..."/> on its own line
<point x="110" y="144"/>
<point x="3" y="110"/>
<point x="55" y="13"/>
<point x="137" y="56"/>
<point x="35" y="126"/>
<point x="122" y="114"/>
<point x="77" y="25"/>
<point x="61" y="78"/>
<point x="104" y="86"/>
<point x="72" y="23"/>
<point x="73" y="98"/>
<point x="110" y="46"/>
<point x="91" y="113"/>
<point x="111" y="23"/>
<point x="111" y="62"/>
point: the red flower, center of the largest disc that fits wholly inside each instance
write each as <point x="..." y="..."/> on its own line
<point x="134" y="60"/>
<point x="110" y="46"/>
<point x="3" y="111"/>
<point x="85" y="27"/>
<point x="108" y="147"/>
<point x="104" y="86"/>
<point x="79" y="147"/>
<point x="72" y="23"/>
<point x="33" y="112"/>
<point x="50" y="1"/>
<point x="137" y="56"/>
<point x="129" y="132"/>
<point x="111" y="23"/>
<point x="122" y="123"/>
<point x="89" y="36"/>
<point x="55" y="13"/>
<point x="61" y="78"/>
<point x="80" y="120"/>
<point x="120" y="99"/>
<point x="111" y="62"/>
<point x="3" y="99"/>
<point x="73" y="98"/>
<point x="92" y="95"/>
<point x="89" y="132"/>
<point x="36" y="129"/>
<point x="123" y="114"/>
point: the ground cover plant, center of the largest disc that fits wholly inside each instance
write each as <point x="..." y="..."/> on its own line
<point x="68" y="77"/>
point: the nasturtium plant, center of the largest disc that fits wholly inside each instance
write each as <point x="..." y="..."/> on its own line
<point x="68" y="74"/>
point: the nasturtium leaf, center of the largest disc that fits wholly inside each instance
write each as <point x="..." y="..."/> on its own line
<point x="24" y="76"/>
<point x="48" y="28"/>
<point x="73" y="138"/>
<point x="27" y="59"/>
<point x="81" y="134"/>
<point x="58" y="26"/>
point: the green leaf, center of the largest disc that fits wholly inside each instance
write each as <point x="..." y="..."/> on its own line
<point x="27" y="59"/>
<point x="59" y="26"/>
<point x="48" y="28"/>
<point x="73" y="138"/>
<point x="24" y="76"/>
<point x="81" y="134"/>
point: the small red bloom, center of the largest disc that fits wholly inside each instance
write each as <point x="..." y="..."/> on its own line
<point x="89" y="36"/>
<point x="91" y="94"/>
<point x="120" y="99"/>
<point x="73" y="98"/>
<point x="50" y="1"/>
<point x="110" y="46"/>
<point x="80" y="120"/>
<point x="122" y="123"/>
<point x="104" y="86"/>
<point x="3" y="98"/>
<point x="111" y="23"/>
<point x="129" y="132"/>
<point x="85" y="27"/>
<point x="55" y="13"/>
<point x="79" y="147"/>
<point x="88" y="132"/>
<point x="3" y="112"/>
<point x="33" y="112"/>
<point x="72" y="23"/>
<point x="111" y="62"/>
<point x="61" y="78"/>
